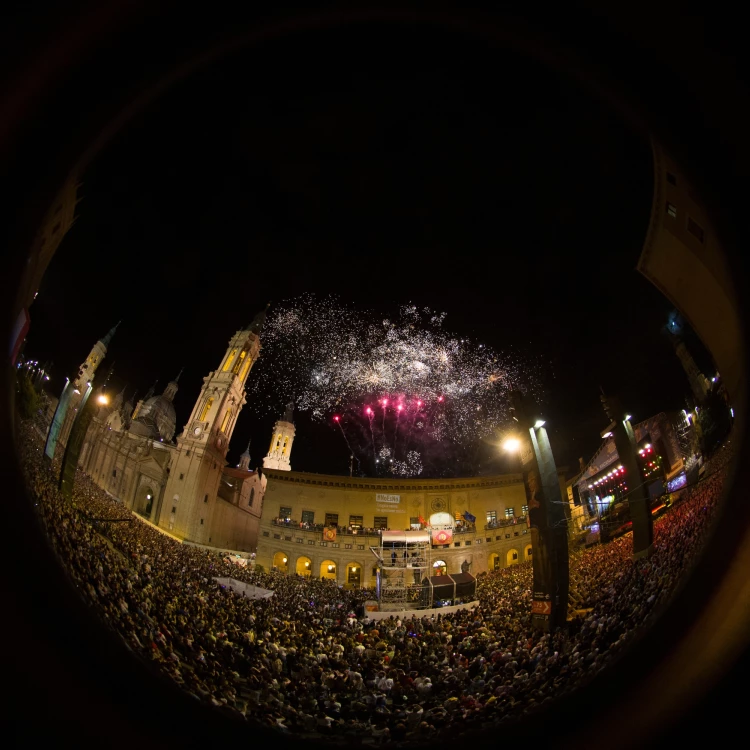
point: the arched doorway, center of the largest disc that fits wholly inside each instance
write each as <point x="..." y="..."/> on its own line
<point x="527" y="552"/>
<point x="439" y="568"/>
<point x="354" y="575"/>
<point x="328" y="570"/>
<point x="144" y="500"/>
<point x="303" y="566"/>
<point x="512" y="557"/>
<point x="281" y="562"/>
<point x="493" y="563"/>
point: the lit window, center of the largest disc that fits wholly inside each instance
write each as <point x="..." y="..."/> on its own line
<point x="230" y="359"/>
<point x="525" y="509"/>
<point x="246" y="367"/>
<point x="241" y="359"/>
<point x="285" y="513"/>
<point x="672" y="210"/>
<point x="491" y="516"/>
<point x="226" y="420"/>
<point x="510" y="512"/>
<point x="206" y="408"/>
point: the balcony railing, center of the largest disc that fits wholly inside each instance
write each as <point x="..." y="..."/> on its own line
<point x="293" y="525"/>
<point x="463" y="528"/>
<point x="504" y="522"/>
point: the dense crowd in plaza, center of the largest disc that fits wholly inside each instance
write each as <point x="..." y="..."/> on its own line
<point x="304" y="663"/>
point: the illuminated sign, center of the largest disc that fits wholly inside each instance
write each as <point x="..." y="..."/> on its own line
<point x="388" y="503"/>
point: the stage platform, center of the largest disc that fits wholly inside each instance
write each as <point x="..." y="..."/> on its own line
<point x="407" y="613"/>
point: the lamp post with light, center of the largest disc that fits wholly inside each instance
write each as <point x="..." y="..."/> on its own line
<point x="546" y="519"/>
<point x="640" y="513"/>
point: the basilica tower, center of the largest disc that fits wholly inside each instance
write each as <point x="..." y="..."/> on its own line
<point x="73" y="394"/>
<point x="190" y="494"/>
<point x="281" y="443"/>
<point x="96" y="355"/>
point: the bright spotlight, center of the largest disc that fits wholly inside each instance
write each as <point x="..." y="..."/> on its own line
<point x="539" y="423"/>
<point x="512" y="445"/>
<point x="103" y="399"/>
<point x="628" y="417"/>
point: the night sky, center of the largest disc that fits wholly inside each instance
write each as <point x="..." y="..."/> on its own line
<point x="387" y="166"/>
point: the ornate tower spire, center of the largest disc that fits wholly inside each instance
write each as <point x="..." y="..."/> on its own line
<point x="244" y="463"/>
<point x="203" y="444"/>
<point x="257" y="323"/>
<point x="96" y="355"/>
<point x="106" y="339"/>
<point x="171" y="390"/>
<point x="281" y="442"/>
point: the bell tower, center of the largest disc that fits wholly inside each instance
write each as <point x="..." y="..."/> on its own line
<point x="96" y="355"/>
<point x="190" y="494"/>
<point x="281" y="442"/>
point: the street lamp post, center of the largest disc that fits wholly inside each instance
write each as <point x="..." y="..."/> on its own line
<point x="547" y="521"/>
<point x="638" y="505"/>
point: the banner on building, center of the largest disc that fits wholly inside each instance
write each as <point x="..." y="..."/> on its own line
<point x="442" y="536"/>
<point x="388" y="503"/>
<point x="329" y="534"/>
<point x="58" y="420"/>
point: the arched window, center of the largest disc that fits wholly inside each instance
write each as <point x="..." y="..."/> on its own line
<point x="226" y="420"/>
<point x="239" y="362"/>
<point x="252" y="496"/>
<point x="206" y="408"/>
<point x="230" y="359"/>
<point x="246" y="367"/>
<point x="286" y="442"/>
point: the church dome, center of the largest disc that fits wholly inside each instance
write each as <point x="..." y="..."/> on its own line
<point x="157" y="416"/>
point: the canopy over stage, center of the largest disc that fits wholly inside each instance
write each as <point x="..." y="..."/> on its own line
<point x="242" y="588"/>
<point x="401" y="538"/>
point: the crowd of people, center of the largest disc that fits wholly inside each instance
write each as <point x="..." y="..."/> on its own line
<point x="303" y="662"/>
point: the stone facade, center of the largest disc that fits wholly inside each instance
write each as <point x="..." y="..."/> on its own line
<point x="319" y="498"/>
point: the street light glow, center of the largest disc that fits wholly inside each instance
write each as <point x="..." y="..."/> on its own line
<point x="628" y="417"/>
<point x="103" y="399"/>
<point x="539" y="423"/>
<point x="512" y="445"/>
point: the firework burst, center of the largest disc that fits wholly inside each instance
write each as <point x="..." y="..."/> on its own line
<point x="404" y="388"/>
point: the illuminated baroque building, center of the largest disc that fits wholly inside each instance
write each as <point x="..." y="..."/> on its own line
<point x="312" y="524"/>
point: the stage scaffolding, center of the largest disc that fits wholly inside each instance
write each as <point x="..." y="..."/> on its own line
<point x="404" y="562"/>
